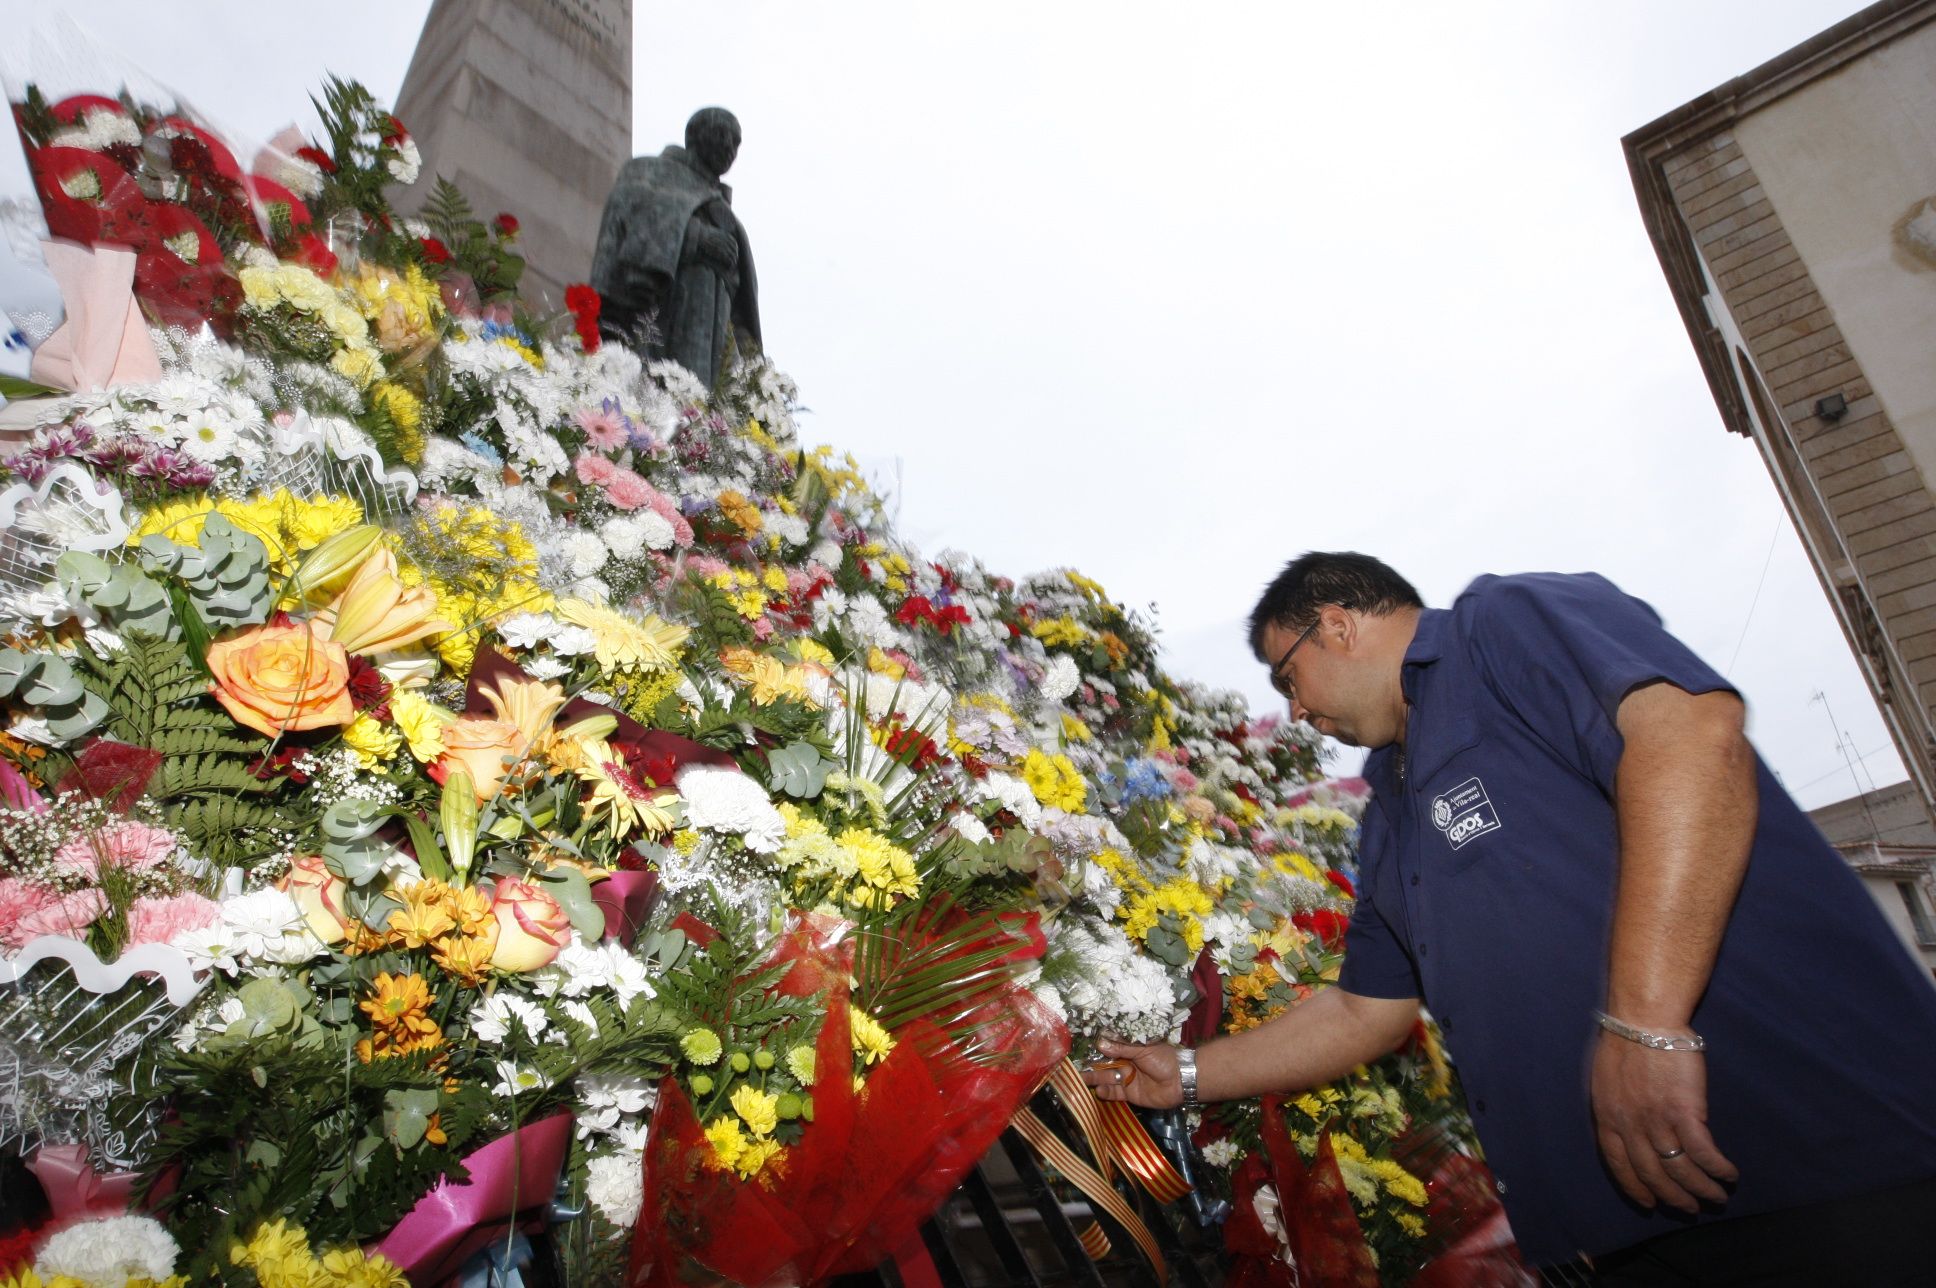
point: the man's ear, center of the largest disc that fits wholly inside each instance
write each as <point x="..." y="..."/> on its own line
<point x="1338" y="626"/>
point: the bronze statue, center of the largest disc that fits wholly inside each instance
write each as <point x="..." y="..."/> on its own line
<point x="673" y="257"/>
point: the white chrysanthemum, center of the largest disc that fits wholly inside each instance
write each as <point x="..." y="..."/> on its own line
<point x="615" y="1184"/>
<point x="1222" y="1152"/>
<point x="1224" y="931"/>
<point x="109" y="1251"/>
<point x="515" y="1079"/>
<point x="266" y="924"/>
<point x="870" y="624"/>
<point x="403" y="167"/>
<point x="570" y="641"/>
<point x="1014" y="796"/>
<point x="491" y="1018"/>
<point x="1109" y="987"/>
<point x="921" y="706"/>
<point x="1206" y="862"/>
<point x="605" y="1099"/>
<point x="726" y="800"/>
<point x="213" y="947"/>
<point x="969" y="828"/>
<point x="101" y="128"/>
<point x="791" y="529"/>
<point x="525" y="631"/>
<point x="625" y="536"/>
<point x="582" y="1014"/>
<point x="581" y="969"/>
<point x="1063" y="679"/>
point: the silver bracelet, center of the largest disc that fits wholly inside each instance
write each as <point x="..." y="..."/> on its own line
<point x="1186" y="1072"/>
<point x="1648" y="1038"/>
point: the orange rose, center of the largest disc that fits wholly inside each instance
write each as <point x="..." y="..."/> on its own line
<point x="319" y="893"/>
<point x="280" y="678"/>
<point x="485" y="749"/>
<point x="531" y="927"/>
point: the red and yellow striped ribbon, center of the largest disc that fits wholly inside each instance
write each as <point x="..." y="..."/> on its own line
<point x="1098" y="1191"/>
<point x="1116" y="1139"/>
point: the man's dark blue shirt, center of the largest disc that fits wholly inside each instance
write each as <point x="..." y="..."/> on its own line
<point x="1487" y="884"/>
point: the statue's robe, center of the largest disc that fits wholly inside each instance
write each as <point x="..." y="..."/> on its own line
<point x="649" y="258"/>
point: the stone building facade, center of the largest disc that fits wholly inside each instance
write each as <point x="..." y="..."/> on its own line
<point x="1794" y="213"/>
<point x="526" y="105"/>
<point x="1887" y="837"/>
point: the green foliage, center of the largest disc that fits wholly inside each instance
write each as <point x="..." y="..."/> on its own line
<point x="482" y="252"/>
<point x="716" y="624"/>
<point x="47" y="683"/>
<point x="923" y="960"/>
<point x="156" y="698"/>
<point x="274" y="1127"/>
<point x="225" y="578"/>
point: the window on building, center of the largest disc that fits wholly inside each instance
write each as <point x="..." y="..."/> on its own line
<point x="1912" y="899"/>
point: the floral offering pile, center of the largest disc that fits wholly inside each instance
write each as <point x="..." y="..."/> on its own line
<point x="553" y="780"/>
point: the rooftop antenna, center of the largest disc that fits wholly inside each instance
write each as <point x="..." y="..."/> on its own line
<point x="1842" y="744"/>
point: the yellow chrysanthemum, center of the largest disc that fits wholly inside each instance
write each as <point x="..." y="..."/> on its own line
<point x="728" y="1142"/>
<point x="353" y="1268"/>
<point x="799" y="1063"/>
<point x="884" y="867"/>
<point x="423" y="917"/>
<point x="1065" y="632"/>
<point x="422" y="723"/>
<point x="870" y="1041"/>
<point x="756" y="1156"/>
<point x="399" y="1013"/>
<point x="374" y="742"/>
<point x="759" y="1110"/>
<point x="741" y="513"/>
<point x="1055" y="781"/>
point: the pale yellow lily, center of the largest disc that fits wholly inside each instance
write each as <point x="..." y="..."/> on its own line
<point x="377" y="613"/>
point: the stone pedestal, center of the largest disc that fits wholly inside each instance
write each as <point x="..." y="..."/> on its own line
<point x="526" y="105"/>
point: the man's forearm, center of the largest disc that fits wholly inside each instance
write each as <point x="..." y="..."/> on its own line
<point x="1311" y="1044"/>
<point x="1686" y="800"/>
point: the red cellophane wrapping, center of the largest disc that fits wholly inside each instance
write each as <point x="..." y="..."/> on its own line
<point x="869" y="1168"/>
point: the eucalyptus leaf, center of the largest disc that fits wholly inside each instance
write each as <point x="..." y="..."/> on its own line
<point x="574" y="894"/>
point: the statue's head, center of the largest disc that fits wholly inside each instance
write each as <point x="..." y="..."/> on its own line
<point x="712" y="136"/>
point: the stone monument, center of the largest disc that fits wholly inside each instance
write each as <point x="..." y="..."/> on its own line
<point x="526" y="105"/>
<point x="673" y="263"/>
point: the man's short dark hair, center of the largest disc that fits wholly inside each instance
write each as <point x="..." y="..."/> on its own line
<point x="1310" y="581"/>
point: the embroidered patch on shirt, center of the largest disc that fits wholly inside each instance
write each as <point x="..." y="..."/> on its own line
<point x="1464" y="812"/>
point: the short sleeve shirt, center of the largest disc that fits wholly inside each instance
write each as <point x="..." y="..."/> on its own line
<point x="1486" y="889"/>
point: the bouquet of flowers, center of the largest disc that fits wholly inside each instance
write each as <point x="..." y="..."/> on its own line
<point x="558" y="781"/>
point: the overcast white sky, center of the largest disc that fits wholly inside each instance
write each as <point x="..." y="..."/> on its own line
<point x="1174" y="293"/>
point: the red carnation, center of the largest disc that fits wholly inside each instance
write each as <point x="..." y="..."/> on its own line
<point x="506" y="225"/>
<point x="1341" y="881"/>
<point x="313" y="253"/>
<point x="320" y="159"/>
<point x="392" y="129"/>
<point x="582" y="299"/>
<point x="435" y="251"/>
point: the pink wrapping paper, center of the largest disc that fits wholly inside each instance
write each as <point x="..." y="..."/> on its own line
<point x="104" y="340"/>
<point x="512" y="1177"/>
<point x="625" y="898"/>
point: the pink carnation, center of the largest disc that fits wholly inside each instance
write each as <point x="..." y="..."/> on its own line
<point x="128" y="845"/>
<point x="153" y="920"/>
<point x="1184" y="781"/>
<point x="604" y="427"/>
<point x="594" y="469"/>
<point x="18" y="900"/>
<point x="706" y="565"/>
<point x="65" y="914"/>
<point x="628" y="491"/>
<point x="762" y="630"/>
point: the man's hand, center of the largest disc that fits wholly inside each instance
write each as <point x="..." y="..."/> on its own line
<point x="1647" y="1104"/>
<point x="1155" y="1083"/>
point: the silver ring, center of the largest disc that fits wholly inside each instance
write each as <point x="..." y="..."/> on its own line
<point x="1119" y="1075"/>
<point x="1666" y="1154"/>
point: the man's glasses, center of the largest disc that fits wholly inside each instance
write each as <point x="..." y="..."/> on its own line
<point x="1279" y="678"/>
